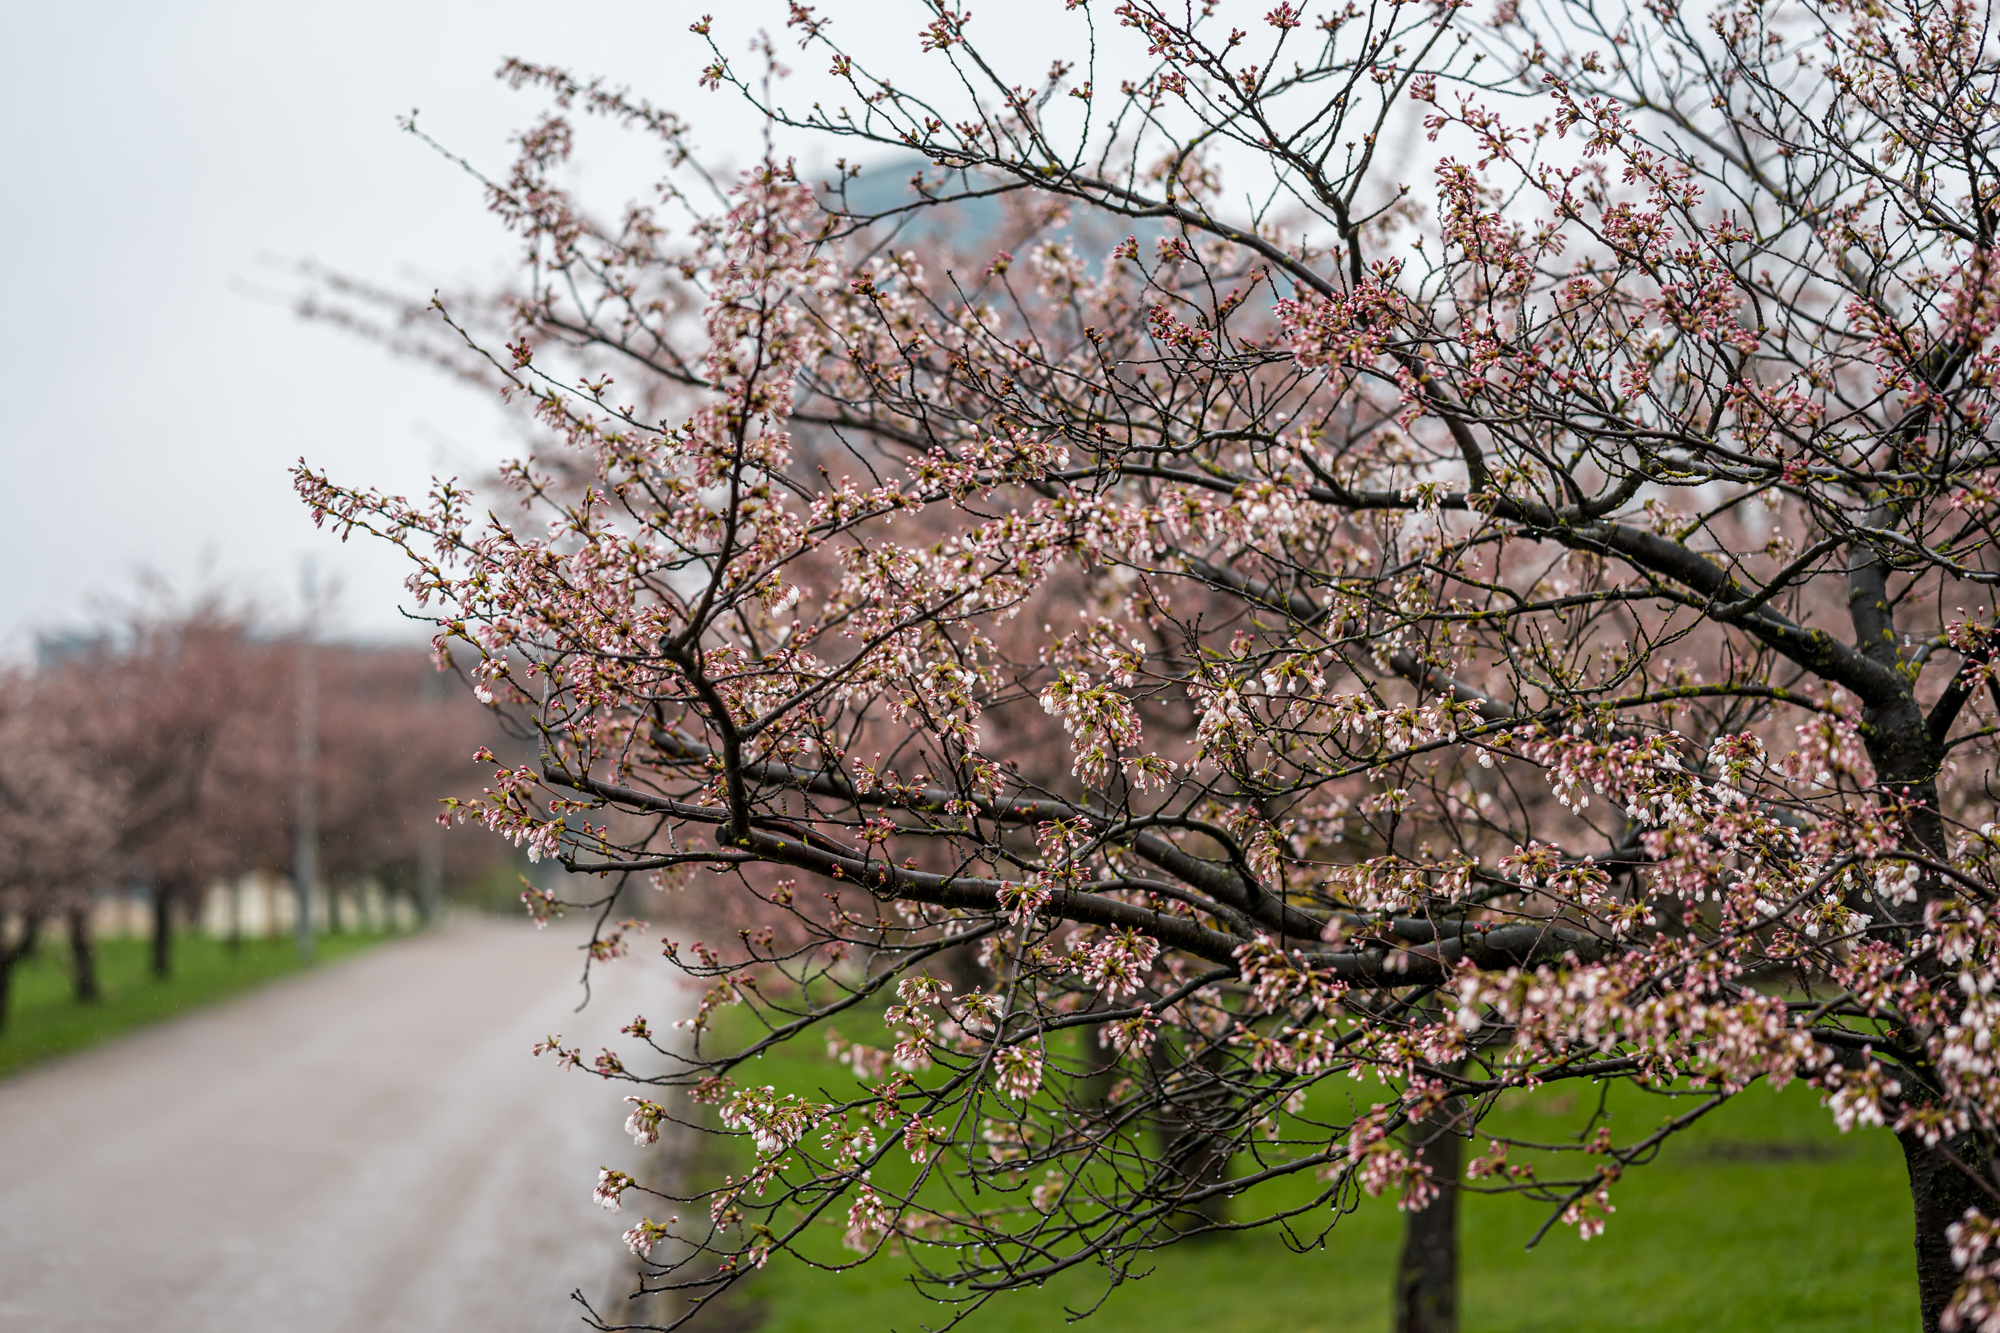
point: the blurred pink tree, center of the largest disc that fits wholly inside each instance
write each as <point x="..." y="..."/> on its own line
<point x="56" y="824"/>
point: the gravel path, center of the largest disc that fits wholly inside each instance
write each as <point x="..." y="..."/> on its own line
<point x="368" y="1147"/>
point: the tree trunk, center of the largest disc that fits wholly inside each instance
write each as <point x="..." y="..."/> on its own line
<point x="13" y="954"/>
<point x="83" y="957"/>
<point x="1093" y="1088"/>
<point x="1942" y="1192"/>
<point x="163" y="929"/>
<point x="1194" y="1147"/>
<point x="1907" y="757"/>
<point x="1427" y="1270"/>
<point x="1198" y="1160"/>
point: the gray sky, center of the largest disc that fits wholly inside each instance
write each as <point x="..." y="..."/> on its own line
<point x="156" y="158"/>
<point x="159" y="158"/>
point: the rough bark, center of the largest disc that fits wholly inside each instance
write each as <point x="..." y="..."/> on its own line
<point x="1427" y="1270"/>
<point x="1907" y="750"/>
<point x="1942" y="1191"/>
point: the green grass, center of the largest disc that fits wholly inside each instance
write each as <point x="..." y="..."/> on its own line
<point x="1761" y="1218"/>
<point x="44" y="1019"/>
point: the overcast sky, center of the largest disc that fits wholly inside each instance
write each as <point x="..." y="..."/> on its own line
<point x="158" y="160"/>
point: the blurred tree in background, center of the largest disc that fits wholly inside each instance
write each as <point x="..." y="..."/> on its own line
<point x="157" y="753"/>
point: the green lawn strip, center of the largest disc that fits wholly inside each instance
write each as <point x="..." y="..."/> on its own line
<point x="44" y="1019"/>
<point x="1761" y="1217"/>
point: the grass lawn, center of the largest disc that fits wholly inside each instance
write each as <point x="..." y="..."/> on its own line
<point x="43" y="1020"/>
<point x="1761" y="1218"/>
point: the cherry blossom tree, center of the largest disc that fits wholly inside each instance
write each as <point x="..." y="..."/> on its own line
<point x="180" y="718"/>
<point x="1511" y="570"/>
<point x="178" y="723"/>
<point x="55" y="843"/>
<point x="388" y="749"/>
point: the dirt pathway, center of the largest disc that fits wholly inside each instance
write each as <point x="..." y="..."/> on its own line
<point x="365" y="1148"/>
